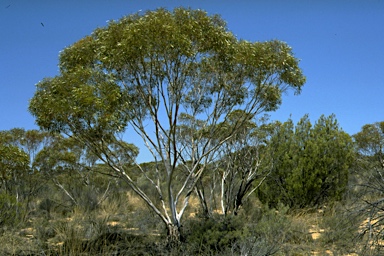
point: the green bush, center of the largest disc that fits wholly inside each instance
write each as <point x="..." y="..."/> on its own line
<point x="281" y="232"/>
<point x="259" y="231"/>
<point x="217" y="234"/>
<point x="309" y="164"/>
<point x="10" y="210"/>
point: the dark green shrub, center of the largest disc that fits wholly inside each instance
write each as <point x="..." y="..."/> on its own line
<point x="46" y="207"/>
<point x="217" y="234"/>
<point x="10" y="210"/>
<point x="310" y="164"/>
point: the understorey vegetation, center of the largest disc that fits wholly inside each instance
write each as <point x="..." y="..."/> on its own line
<point x="57" y="199"/>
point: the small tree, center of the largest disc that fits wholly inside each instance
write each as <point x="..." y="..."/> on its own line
<point x="155" y="72"/>
<point x="14" y="162"/>
<point x="310" y="164"/>
<point x="17" y="180"/>
<point x="69" y="166"/>
<point x="231" y="178"/>
<point x="369" y="144"/>
<point x="241" y="165"/>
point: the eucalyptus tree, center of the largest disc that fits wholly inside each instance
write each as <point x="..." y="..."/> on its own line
<point x="237" y="165"/>
<point x="369" y="143"/>
<point x="18" y="181"/>
<point x="60" y="162"/>
<point x="21" y="147"/>
<point x="14" y="166"/>
<point x="69" y="166"/>
<point x="242" y="163"/>
<point x="30" y="141"/>
<point x="155" y="72"/>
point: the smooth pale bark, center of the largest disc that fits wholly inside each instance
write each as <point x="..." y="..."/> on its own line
<point x="172" y="77"/>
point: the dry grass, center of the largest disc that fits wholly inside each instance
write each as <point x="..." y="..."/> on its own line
<point x="125" y="222"/>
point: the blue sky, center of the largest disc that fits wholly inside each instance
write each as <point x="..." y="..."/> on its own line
<point x="340" y="44"/>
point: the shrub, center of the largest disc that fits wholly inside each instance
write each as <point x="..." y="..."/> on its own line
<point x="310" y="164"/>
<point x="341" y="229"/>
<point x="217" y="234"/>
<point x="10" y="212"/>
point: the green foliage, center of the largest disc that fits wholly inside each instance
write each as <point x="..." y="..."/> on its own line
<point x="215" y="234"/>
<point x="148" y="70"/>
<point x="14" y="164"/>
<point x="10" y="213"/>
<point x="230" y="180"/>
<point x="277" y="232"/>
<point x="310" y="164"/>
<point x="341" y="228"/>
<point x="370" y="144"/>
<point x="15" y="176"/>
<point x="259" y="231"/>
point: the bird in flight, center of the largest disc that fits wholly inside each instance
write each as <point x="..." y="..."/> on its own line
<point x="42" y="24"/>
<point x="8" y="6"/>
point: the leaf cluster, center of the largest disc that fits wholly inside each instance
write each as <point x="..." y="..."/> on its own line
<point x="310" y="163"/>
<point x="184" y="58"/>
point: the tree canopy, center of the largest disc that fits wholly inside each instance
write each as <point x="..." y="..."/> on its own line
<point x="370" y="142"/>
<point x="158" y="72"/>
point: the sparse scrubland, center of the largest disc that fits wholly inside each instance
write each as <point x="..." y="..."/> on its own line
<point x="222" y="179"/>
<point x="124" y="226"/>
<point x="90" y="213"/>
